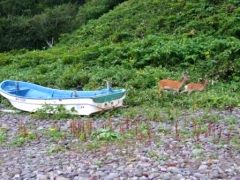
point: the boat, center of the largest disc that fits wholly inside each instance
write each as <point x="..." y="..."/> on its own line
<point x="31" y="97"/>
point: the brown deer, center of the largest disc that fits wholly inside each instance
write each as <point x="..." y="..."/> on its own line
<point x="167" y="84"/>
<point x="195" y="87"/>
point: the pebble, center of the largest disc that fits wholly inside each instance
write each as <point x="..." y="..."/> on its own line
<point x="213" y="154"/>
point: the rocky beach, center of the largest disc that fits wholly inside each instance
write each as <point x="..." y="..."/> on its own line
<point x="194" y="146"/>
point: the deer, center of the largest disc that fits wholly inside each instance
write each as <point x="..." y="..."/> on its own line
<point x="195" y="87"/>
<point x="167" y="84"/>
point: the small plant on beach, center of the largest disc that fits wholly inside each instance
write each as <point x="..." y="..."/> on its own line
<point x="93" y="145"/>
<point x="153" y="114"/>
<point x="55" y="149"/>
<point x="164" y="130"/>
<point x="23" y="136"/>
<point x="58" y="112"/>
<point x="54" y="134"/>
<point x="153" y="155"/>
<point x="143" y="131"/>
<point x="163" y="158"/>
<point x="198" y="146"/>
<point x="61" y="112"/>
<point x="214" y="155"/>
<point x="98" y="163"/>
<point x="3" y="135"/>
<point x="43" y="113"/>
<point x="233" y="120"/>
<point x="81" y="129"/>
<point x="105" y="134"/>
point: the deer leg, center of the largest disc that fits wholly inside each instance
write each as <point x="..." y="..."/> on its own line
<point x="183" y="91"/>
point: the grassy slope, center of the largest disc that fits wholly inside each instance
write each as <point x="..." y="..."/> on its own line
<point x="138" y="43"/>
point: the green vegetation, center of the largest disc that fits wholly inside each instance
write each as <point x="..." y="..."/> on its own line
<point x="59" y="112"/>
<point x="3" y="135"/>
<point x="82" y="135"/>
<point x="105" y="135"/>
<point x="138" y="43"/>
<point x="23" y="136"/>
<point x="55" y="149"/>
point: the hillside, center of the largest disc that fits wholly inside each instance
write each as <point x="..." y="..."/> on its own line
<point x="139" y="42"/>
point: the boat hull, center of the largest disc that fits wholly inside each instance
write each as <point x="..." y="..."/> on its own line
<point x="77" y="105"/>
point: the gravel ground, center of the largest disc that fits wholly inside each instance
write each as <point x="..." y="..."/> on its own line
<point x="202" y="145"/>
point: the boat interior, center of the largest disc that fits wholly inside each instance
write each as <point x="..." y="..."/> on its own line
<point x="36" y="91"/>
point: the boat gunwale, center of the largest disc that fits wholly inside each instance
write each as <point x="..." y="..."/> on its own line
<point x="65" y="98"/>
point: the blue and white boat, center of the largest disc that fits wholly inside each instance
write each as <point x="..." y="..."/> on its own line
<point x="31" y="97"/>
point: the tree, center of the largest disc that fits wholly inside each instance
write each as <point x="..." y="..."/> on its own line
<point x="20" y="32"/>
<point x="55" y="22"/>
